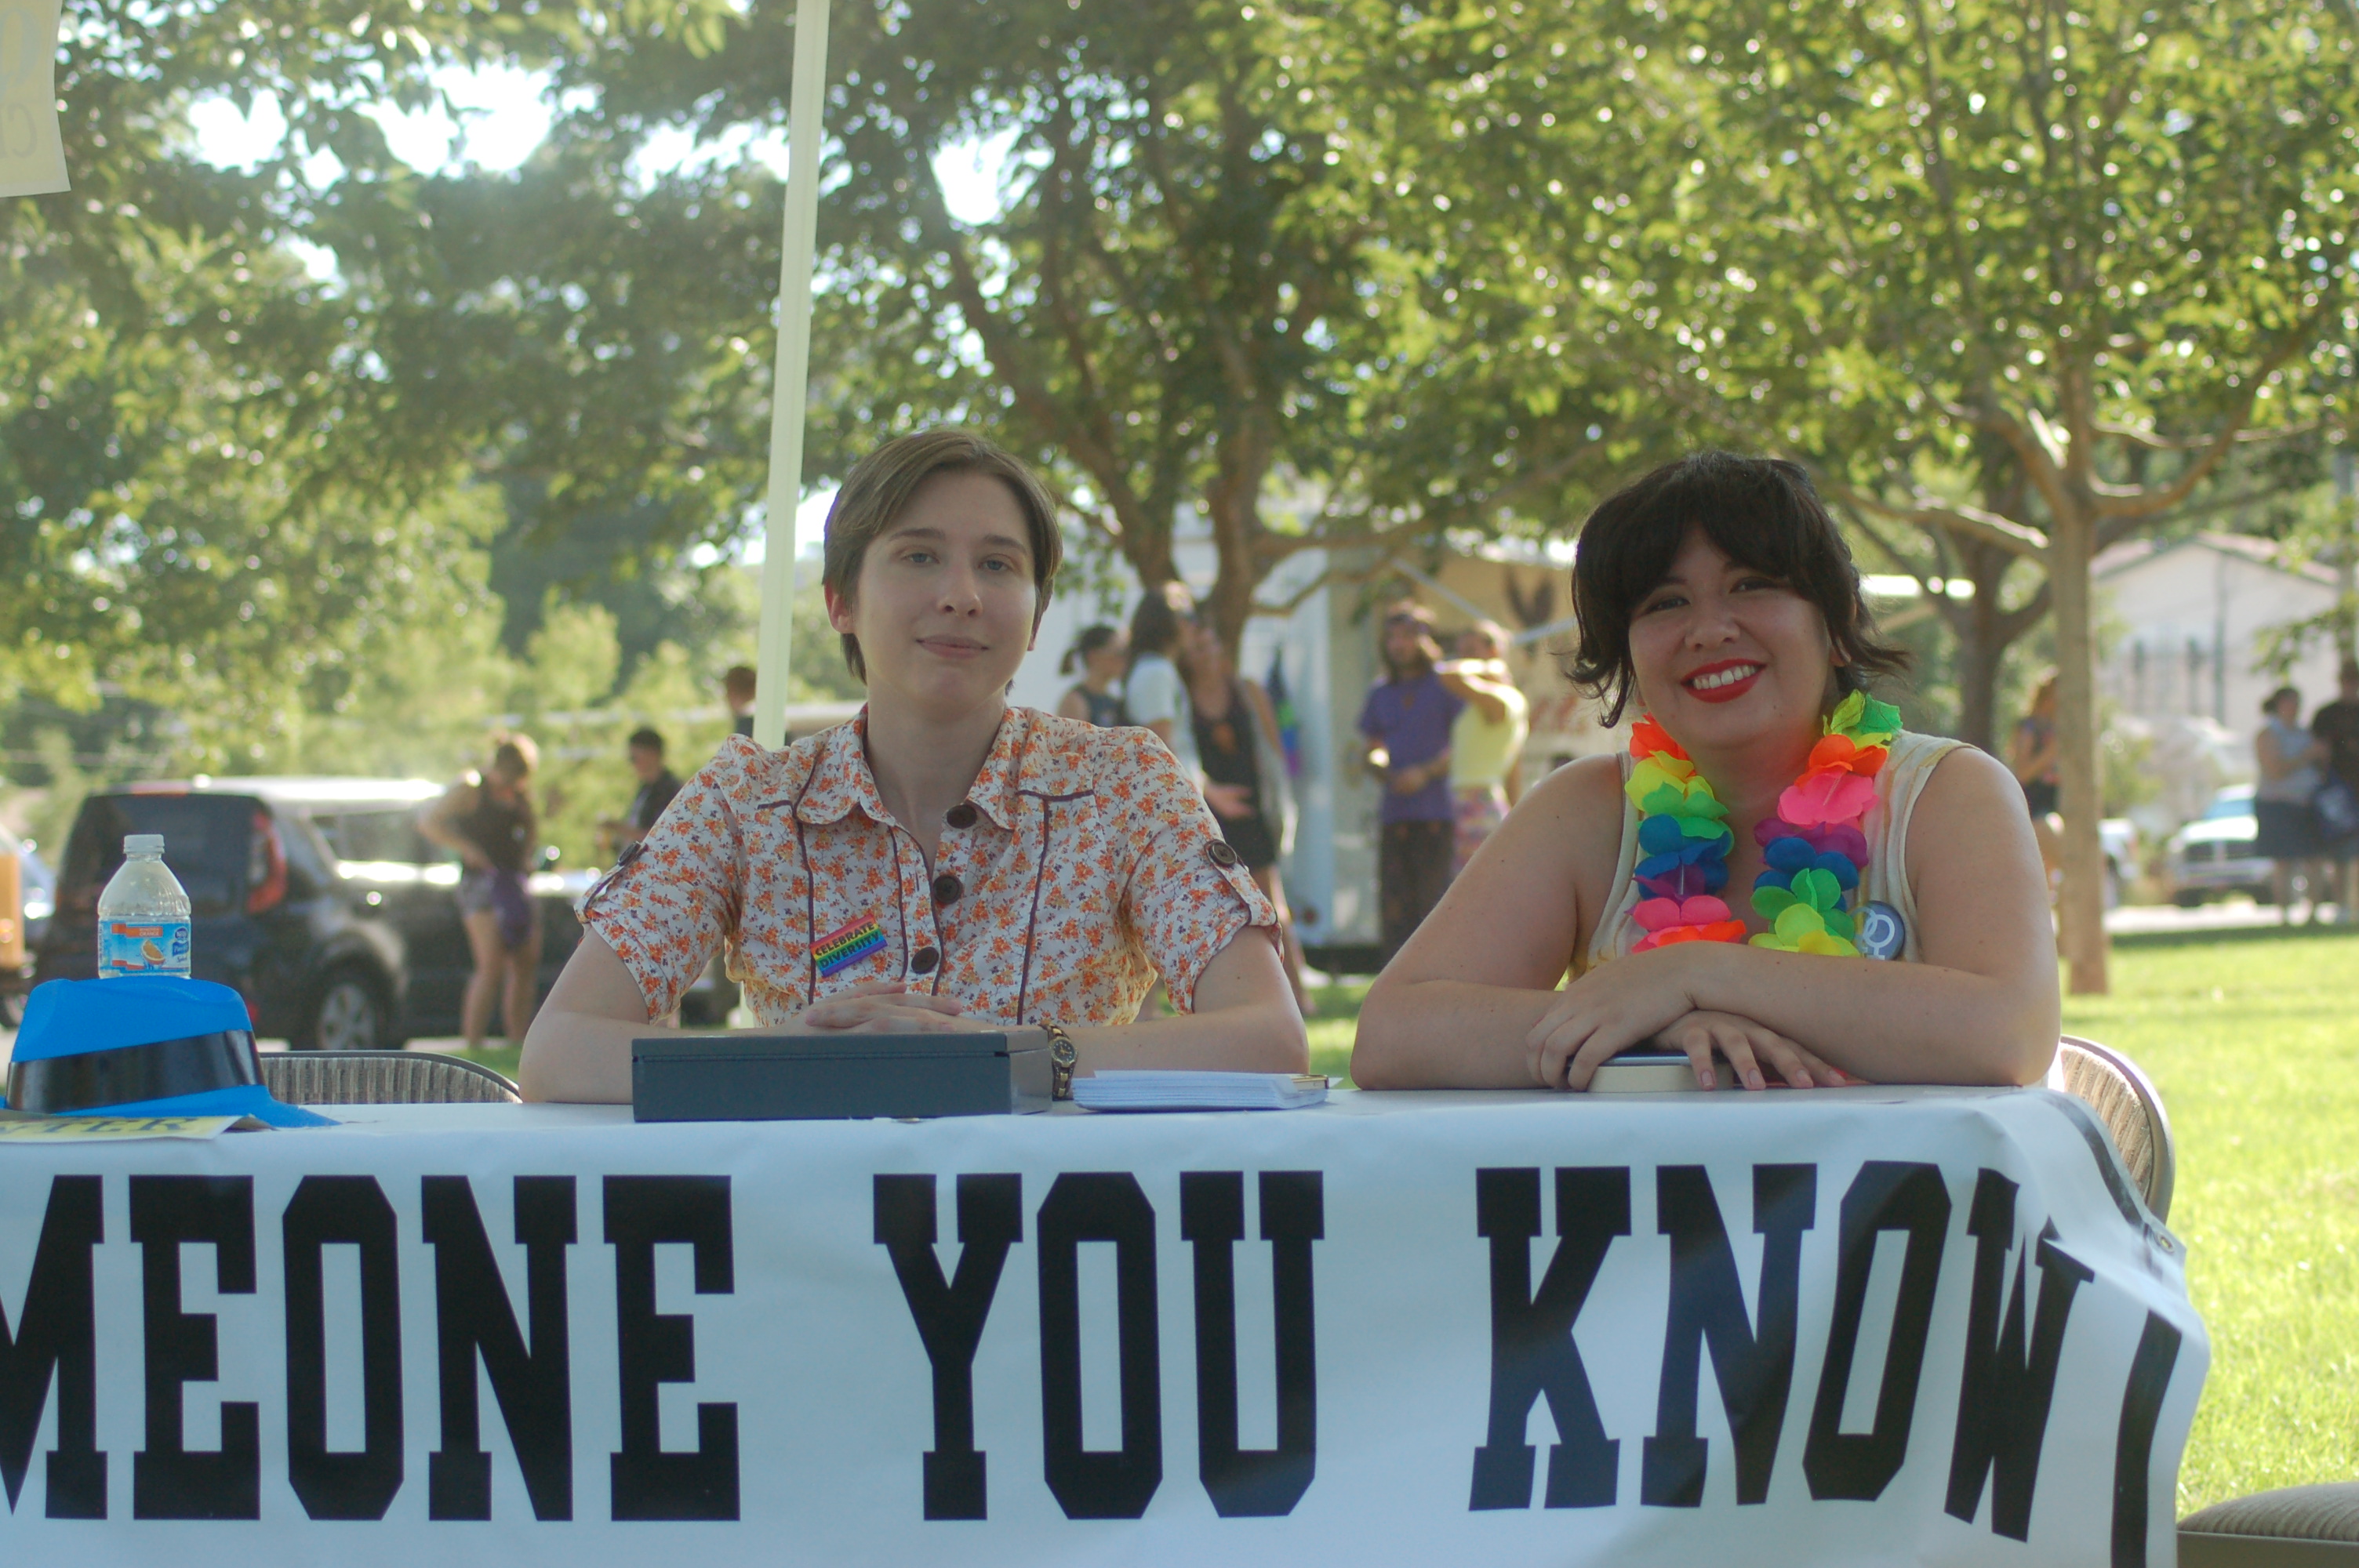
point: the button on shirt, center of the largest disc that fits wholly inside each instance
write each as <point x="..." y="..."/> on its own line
<point x="1076" y="871"/>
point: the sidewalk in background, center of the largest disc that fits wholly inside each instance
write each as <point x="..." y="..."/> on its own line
<point x="2233" y="914"/>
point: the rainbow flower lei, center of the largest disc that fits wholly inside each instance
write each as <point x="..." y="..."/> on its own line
<point x="1814" y="847"/>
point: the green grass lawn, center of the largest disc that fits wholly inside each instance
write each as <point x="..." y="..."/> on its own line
<point x="501" y="1059"/>
<point x="2254" y="1041"/>
<point x="1334" y="1013"/>
<point x="2252" y="1038"/>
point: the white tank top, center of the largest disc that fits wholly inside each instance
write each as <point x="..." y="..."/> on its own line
<point x="1898" y="785"/>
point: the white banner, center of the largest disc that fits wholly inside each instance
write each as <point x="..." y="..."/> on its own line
<point x="32" y="156"/>
<point x="1849" y="1326"/>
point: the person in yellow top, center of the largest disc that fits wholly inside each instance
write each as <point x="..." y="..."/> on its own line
<point x="1486" y="740"/>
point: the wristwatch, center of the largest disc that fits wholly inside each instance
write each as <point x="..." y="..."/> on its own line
<point x="1060" y="1060"/>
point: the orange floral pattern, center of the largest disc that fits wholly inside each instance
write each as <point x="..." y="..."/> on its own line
<point x="1081" y="864"/>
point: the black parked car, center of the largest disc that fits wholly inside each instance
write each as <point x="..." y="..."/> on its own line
<point x="316" y="897"/>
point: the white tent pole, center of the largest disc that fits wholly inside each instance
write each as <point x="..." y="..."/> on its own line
<point x="790" y="377"/>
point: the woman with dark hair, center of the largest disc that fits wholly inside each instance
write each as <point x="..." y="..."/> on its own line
<point x="944" y="861"/>
<point x="2291" y="765"/>
<point x="1238" y="741"/>
<point x="1104" y="659"/>
<point x="1717" y="593"/>
<point x="1154" y="693"/>
<point x="487" y="818"/>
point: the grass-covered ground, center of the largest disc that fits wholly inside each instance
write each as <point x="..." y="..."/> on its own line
<point x="2253" y="1037"/>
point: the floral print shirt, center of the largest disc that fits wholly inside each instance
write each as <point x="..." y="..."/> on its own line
<point x="1081" y="864"/>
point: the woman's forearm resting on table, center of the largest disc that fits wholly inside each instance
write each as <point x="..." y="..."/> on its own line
<point x="1445" y="1034"/>
<point x="1244" y="1020"/>
<point x="578" y="1047"/>
<point x="1889" y="1022"/>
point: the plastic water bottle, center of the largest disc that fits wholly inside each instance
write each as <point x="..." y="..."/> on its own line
<point x="143" y="915"/>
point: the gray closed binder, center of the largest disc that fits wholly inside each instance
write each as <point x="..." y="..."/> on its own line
<point x="800" y="1077"/>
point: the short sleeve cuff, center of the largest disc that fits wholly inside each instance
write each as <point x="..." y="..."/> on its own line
<point x="1180" y="983"/>
<point x="656" y="981"/>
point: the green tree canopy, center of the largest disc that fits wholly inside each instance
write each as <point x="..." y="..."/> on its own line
<point x="2023" y="276"/>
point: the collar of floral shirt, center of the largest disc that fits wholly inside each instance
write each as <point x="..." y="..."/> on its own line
<point x="841" y="779"/>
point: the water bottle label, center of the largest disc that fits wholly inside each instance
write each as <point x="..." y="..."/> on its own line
<point x="143" y="947"/>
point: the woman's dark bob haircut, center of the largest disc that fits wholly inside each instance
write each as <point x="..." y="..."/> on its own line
<point x="1762" y="513"/>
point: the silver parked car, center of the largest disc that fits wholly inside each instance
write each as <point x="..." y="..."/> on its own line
<point x="2214" y="854"/>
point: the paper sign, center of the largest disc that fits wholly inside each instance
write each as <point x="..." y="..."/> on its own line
<point x="112" y="1129"/>
<point x="32" y="156"/>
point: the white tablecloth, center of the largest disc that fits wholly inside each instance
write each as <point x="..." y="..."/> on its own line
<point x="1856" y="1325"/>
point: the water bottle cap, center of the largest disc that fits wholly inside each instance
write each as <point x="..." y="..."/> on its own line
<point x="143" y="844"/>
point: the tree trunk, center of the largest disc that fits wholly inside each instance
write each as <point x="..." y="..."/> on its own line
<point x="1232" y="504"/>
<point x="1149" y="551"/>
<point x="1230" y="603"/>
<point x="1980" y="652"/>
<point x="1984" y="633"/>
<point x="2071" y="544"/>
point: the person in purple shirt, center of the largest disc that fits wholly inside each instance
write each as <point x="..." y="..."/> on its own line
<point x="1407" y="724"/>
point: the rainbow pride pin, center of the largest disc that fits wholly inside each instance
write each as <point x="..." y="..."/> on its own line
<point x="839" y="950"/>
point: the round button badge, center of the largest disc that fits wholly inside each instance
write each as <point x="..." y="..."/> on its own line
<point x="1882" y="934"/>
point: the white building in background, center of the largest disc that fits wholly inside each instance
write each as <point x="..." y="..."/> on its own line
<point x="2189" y="627"/>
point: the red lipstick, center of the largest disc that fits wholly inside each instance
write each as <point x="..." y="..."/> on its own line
<point x="1728" y="692"/>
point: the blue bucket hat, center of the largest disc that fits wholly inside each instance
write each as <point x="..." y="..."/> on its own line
<point x="143" y="1045"/>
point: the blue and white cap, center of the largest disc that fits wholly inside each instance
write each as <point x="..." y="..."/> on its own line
<point x="143" y="1045"/>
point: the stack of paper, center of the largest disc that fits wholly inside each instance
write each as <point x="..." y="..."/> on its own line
<point x="1140" y="1089"/>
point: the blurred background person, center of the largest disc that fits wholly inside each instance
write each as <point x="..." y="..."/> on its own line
<point x="1406" y="723"/>
<point x="2032" y="753"/>
<point x="737" y="691"/>
<point x="488" y="819"/>
<point x="1486" y="739"/>
<point x="656" y="786"/>
<point x="2335" y="726"/>
<point x="1103" y="658"/>
<point x="2291" y="769"/>
<point x="1154" y="693"/>
<point x="1245" y="778"/>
